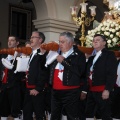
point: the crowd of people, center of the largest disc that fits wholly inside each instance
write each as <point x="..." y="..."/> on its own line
<point x="69" y="88"/>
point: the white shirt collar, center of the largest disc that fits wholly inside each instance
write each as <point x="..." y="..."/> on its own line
<point x="66" y="54"/>
<point x="98" y="53"/>
<point x="10" y="57"/>
<point x="34" y="51"/>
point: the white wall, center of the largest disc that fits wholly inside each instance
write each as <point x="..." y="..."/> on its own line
<point x="63" y="9"/>
<point x="54" y="17"/>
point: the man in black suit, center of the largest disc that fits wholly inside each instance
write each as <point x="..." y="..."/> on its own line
<point x="36" y="78"/>
<point x="101" y="75"/>
<point x="65" y="77"/>
<point x="116" y="95"/>
<point x="10" y="86"/>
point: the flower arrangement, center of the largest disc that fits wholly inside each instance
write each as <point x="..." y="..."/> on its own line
<point x="111" y="30"/>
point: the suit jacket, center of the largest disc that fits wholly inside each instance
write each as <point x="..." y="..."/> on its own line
<point x="38" y="73"/>
<point x="104" y="69"/>
<point x="118" y="61"/>
<point x="13" y="79"/>
<point x="74" y="66"/>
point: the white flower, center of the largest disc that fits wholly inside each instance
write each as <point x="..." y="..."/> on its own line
<point x="117" y="28"/>
<point x="112" y="25"/>
<point x="107" y="28"/>
<point x="98" y="32"/>
<point x="114" y="40"/>
<point x="117" y="33"/>
<point x="102" y="28"/>
<point x="110" y="29"/>
<point x="98" y="29"/>
<point x="107" y="33"/>
<point x="89" y="32"/>
<point x="104" y="23"/>
<point x="108" y="21"/>
<point x="100" y="25"/>
<point x="109" y="45"/>
<point x="113" y="30"/>
<point x="111" y="36"/>
<point x="109" y="41"/>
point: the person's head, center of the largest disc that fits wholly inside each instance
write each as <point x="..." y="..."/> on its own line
<point x="28" y="44"/>
<point x="66" y="41"/>
<point x="13" y="41"/>
<point x="99" y="42"/>
<point x="37" y="38"/>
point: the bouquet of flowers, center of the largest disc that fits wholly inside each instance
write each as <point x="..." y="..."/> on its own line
<point x="110" y="29"/>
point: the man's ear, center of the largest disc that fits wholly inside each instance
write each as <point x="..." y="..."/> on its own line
<point x="105" y="43"/>
<point x="40" y="40"/>
<point x="17" y="43"/>
<point x="71" y="43"/>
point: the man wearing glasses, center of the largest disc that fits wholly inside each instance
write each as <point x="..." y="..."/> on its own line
<point x="35" y="79"/>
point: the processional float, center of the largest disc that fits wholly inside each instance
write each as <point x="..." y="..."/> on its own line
<point x="88" y="50"/>
<point x="52" y="47"/>
<point x="14" y="52"/>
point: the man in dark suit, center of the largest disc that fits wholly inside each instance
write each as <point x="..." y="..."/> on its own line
<point x="65" y="77"/>
<point x="10" y="86"/>
<point x="116" y="95"/>
<point x="101" y="75"/>
<point x="36" y="78"/>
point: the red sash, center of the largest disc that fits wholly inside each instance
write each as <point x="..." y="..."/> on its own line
<point x="27" y="85"/>
<point x="95" y="88"/>
<point x="58" y="84"/>
<point x="30" y="86"/>
<point x="5" y="73"/>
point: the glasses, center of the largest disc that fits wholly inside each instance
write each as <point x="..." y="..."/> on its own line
<point x="34" y="37"/>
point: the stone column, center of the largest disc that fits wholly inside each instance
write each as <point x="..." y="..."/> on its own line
<point x="53" y="17"/>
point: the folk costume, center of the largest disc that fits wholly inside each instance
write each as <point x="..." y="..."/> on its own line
<point x="116" y="96"/>
<point x="36" y="78"/>
<point x="10" y="95"/>
<point x="65" y="79"/>
<point x="101" y="74"/>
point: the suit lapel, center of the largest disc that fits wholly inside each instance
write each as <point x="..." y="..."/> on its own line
<point x="36" y="54"/>
<point x="98" y="59"/>
<point x="33" y="58"/>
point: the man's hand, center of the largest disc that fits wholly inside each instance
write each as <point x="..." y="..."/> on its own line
<point x="83" y="96"/>
<point x="34" y="92"/>
<point x="42" y="50"/>
<point x="60" y="58"/>
<point x="105" y="94"/>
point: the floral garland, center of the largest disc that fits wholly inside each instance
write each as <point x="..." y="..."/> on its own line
<point x="110" y="29"/>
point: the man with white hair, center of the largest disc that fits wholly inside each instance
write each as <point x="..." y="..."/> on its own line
<point x="65" y="77"/>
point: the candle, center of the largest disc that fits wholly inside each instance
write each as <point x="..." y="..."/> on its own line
<point x="83" y="7"/>
<point x="73" y="10"/>
<point x="93" y="12"/>
<point x="111" y="4"/>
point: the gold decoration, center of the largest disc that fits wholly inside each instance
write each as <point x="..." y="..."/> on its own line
<point x="83" y="20"/>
